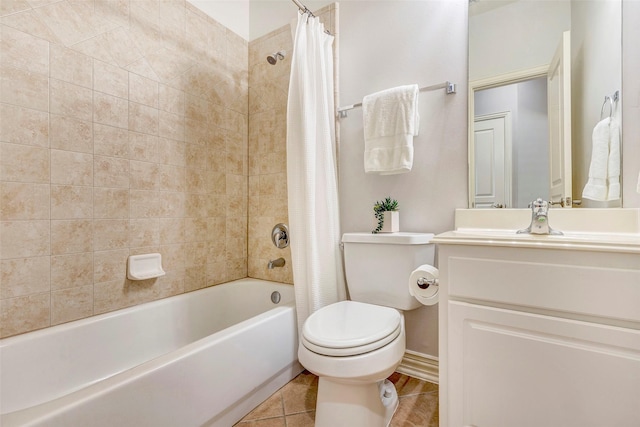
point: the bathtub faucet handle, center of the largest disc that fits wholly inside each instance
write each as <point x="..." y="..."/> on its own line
<point x="276" y="263"/>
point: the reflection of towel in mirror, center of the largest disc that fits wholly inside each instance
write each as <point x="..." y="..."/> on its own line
<point x="604" y="171"/>
<point x="390" y="121"/>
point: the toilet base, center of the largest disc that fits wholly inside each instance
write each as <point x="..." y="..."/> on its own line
<point x="355" y="404"/>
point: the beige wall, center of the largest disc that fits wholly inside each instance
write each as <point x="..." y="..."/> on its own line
<point x="268" y="91"/>
<point x="123" y="131"/>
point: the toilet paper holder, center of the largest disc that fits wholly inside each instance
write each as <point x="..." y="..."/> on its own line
<point x="424" y="283"/>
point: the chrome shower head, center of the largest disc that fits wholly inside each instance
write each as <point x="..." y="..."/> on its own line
<point x="273" y="58"/>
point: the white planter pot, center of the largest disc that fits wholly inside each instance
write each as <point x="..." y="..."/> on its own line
<point x="391" y="222"/>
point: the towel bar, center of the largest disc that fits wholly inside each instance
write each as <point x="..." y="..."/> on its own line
<point x="450" y="88"/>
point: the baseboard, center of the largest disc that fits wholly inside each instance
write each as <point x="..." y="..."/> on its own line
<point x="421" y="366"/>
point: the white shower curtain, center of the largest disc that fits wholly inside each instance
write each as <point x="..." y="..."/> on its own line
<point x="311" y="172"/>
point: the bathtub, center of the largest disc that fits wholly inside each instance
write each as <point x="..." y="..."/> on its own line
<point x="202" y="358"/>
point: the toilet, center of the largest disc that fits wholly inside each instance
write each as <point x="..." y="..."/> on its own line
<point x="353" y="346"/>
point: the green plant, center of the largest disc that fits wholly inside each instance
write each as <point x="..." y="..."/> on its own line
<point x="388" y="204"/>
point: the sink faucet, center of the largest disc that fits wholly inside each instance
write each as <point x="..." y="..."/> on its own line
<point x="275" y="263"/>
<point x="539" y="219"/>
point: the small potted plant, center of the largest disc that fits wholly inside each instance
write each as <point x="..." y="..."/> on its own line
<point x="387" y="216"/>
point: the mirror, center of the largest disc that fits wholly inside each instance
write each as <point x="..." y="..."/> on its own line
<point x="539" y="72"/>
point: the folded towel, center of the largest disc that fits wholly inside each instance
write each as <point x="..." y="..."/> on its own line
<point x="391" y="120"/>
<point x="604" y="170"/>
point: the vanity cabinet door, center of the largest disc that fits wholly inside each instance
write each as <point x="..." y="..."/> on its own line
<point x="509" y="368"/>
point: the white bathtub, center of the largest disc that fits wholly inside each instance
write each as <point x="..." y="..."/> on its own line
<point x="202" y="358"/>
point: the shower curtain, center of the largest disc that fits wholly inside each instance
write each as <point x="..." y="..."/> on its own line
<point x="311" y="172"/>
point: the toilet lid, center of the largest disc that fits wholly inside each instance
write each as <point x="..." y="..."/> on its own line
<point x="348" y="328"/>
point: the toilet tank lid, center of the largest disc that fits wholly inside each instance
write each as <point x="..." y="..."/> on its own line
<point x="401" y="238"/>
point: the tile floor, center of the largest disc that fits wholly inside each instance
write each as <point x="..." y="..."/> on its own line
<point x="294" y="404"/>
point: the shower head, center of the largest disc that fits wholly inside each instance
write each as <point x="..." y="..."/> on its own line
<point x="273" y="58"/>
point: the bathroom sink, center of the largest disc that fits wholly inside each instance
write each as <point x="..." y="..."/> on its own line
<point x="583" y="229"/>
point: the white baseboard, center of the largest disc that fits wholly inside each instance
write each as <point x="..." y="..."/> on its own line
<point x="421" y="366"/>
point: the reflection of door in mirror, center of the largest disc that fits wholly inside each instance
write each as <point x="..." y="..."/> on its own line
<point x="526" y="164"/>
<point x="492" y="160"/>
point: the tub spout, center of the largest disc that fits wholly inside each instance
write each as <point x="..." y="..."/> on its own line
<point x="276" y="263"/>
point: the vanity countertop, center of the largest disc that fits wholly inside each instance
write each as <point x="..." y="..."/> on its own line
<point x="609" y="230"/>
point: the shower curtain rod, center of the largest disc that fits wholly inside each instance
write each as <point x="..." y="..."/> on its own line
<point x="303" y="8"/>
<point x="450" y="87"/>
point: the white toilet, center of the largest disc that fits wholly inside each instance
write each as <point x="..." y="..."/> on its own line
<point x="353" y="346"/>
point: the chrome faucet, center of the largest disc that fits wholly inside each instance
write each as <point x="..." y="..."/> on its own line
<point x="276" y="263"/>
<point x="539" y="219"/>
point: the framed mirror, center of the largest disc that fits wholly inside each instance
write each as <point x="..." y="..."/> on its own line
<point x="542" y="75"/>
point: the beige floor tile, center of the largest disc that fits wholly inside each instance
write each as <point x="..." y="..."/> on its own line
<point x="270" y="408"/>
<point x="268" y="422"/>
<point x="300" y="394"/>
<point x="419" y="410"/>
<point x="303" y="419"/>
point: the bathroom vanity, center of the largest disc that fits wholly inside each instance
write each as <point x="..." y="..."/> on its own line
<point x="540" y="330"/>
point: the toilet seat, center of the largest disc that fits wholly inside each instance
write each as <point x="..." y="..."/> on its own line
<point x="349" y="328"/>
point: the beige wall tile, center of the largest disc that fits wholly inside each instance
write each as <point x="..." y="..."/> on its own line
<point x="71" y="304"/>
<point x="108" y="265"/>
<point x="22" y="239"/>
<point x="24" y="88"/>
<point x="71" y="202"/>
<point x="144" y="232"/>
<point x="71" y="134"/>
<point x="70" y="100"/>
<point x="24" y="51"/>
<point x="110" y="234"/>
<point x="24" y="276"/>
<point x="171" y="230"/>
<point x="24" y="163"/>
<point x="171" y="178"/>
<point x="9" y="7"/>
<point x="110" y="110"/>
<point x="120" y="46"/>
<point x="24" y="126"/>
<point x="171" y="100"/>
<point x="143" y="90"/>
<point x="71" y="168"/>
<point x="110" y="202"/>
<point x="110" y="141"/>
<point x="143" y="119"/>
<point x="67" y="25"/>
<point x="171" y="152"/>
<point x="196" y="156"/>
<point x="71" y="236"/>
<point x="143" y="147"/>
<point x="110" y="79"/>
<point x="71" y="66"/>
<point x="24" y="201"/>
<point x="110" y="172"/>
<point x="71" y="271"/>
<point x="24" y="314"/>
<point x="143" y="175"/>
<point x="29" y="22"/>
<point x="171" y="126"/>
<point x="145" y="204"/>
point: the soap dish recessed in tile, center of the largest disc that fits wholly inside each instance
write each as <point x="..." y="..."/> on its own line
<point x="143" y="267"/>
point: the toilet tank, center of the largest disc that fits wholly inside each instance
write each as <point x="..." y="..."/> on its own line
<point x="378" y="266"/>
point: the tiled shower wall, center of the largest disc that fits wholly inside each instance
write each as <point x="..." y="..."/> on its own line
<point x="123" y="130"/>
<point x="268" y="92"/>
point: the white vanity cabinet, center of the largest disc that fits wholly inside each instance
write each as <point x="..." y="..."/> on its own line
<point x="539" y="332"/>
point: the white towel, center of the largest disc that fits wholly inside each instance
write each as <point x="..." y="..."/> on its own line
<point x="390" y="121"/>
<point x="613" y="169"/>
<point x="604" y="170"/>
